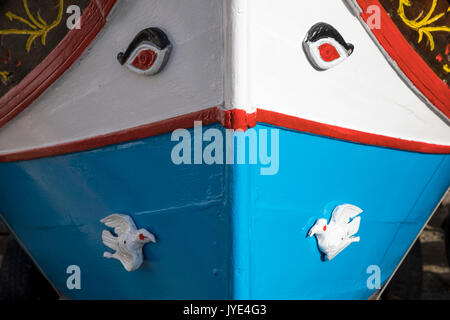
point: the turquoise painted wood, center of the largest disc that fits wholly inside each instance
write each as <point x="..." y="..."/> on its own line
<point x="397" y="190"/>
<point x="224" y="231"/>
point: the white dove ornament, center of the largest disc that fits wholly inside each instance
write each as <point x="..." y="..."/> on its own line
<point x="337" y="235"/>
<point x="129" y="241"/>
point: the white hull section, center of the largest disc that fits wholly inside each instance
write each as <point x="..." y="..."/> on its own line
<point x="98" y="96"/>
<point x="244" y="54"/>
<point x="363" y="93"/>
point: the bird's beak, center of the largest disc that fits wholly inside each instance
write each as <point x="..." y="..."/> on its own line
<point x="146" y="236"/>
<point x="311" y="232"/>
<point x="152" y="238"/>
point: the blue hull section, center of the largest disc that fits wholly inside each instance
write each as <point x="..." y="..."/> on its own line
<point x="397" y="190"/>
<point x="55" y="206"/>
<point x="224" y="231"/>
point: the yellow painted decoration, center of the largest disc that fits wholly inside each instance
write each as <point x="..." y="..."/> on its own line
<point x="4" y="75"/>
<point x="39" y="28"/>
<point x="423" y="26"/>
<point x="446" y="68"/>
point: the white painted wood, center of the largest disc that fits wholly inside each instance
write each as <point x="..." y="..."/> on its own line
<point x="362" y="93"/>
<point x="97" y="95"/>
<point x="237" y="86"/>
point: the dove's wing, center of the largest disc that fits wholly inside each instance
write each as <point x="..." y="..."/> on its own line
<point x="122" y="224"/>
<point x="109" y="240"/>
<point x="353" y="226"/>
<point x="343" y="213"/>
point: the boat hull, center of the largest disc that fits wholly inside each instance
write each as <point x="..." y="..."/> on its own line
<point x="224" y="231"/>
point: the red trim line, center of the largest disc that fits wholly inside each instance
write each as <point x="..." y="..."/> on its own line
<point x="239" y="119"/>
<point x="57" y="62"/>
<point x="207" y="116"/>
<point x="408" y="60"/>
<point x="327" y="130"/>
<point x="235" y="119"/>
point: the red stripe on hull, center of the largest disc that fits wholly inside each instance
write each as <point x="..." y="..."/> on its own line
<point x="408" y="60"/>
<point x="235" y="119"/>
<point x="207" y="116"/>
<point x="356" y="136"/>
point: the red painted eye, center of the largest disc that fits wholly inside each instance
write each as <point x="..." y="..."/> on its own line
<point x="328" y="52"/>
<point x="142" y="237"/>
<point x="324" y="228"/>
<point x="145" y="59"/>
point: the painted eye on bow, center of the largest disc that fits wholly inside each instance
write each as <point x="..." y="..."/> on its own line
<point x="148" y="53"/>
<point x="325" y="47"/>
<point x="145" y="59"/>
<point x="328" y="52"/>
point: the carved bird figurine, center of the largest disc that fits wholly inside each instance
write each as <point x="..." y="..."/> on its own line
<point x="129" y="241"/>
<point x="335" y="236"/>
